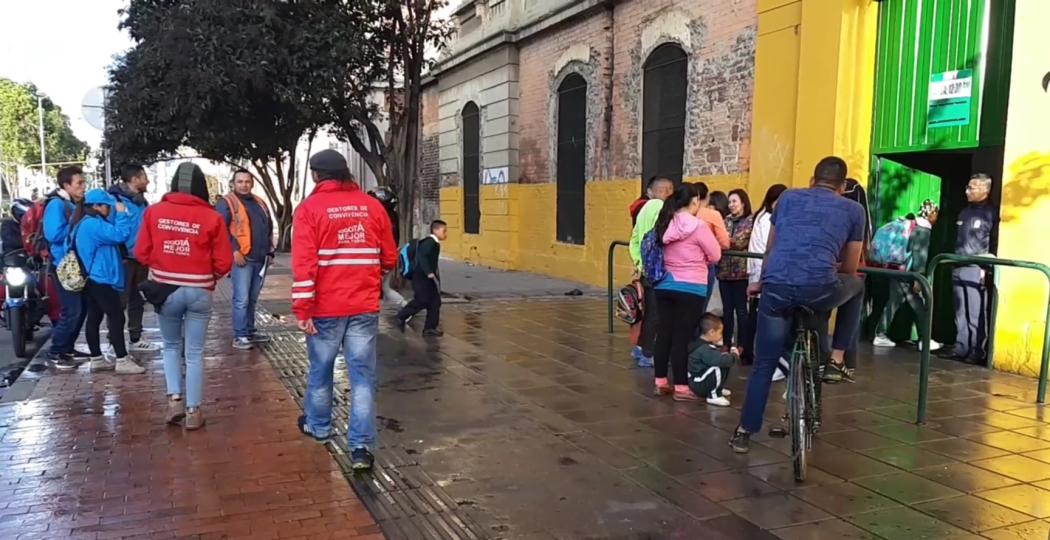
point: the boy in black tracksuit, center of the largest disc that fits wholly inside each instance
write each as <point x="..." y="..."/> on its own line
<point x="426" y="282"/>
<point x="708" y="365"/>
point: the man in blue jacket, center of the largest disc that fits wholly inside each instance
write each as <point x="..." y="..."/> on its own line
<point x="131" y="191"/>
<point x="58" y="218"/>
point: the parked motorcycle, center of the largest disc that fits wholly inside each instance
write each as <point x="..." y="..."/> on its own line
<point x="25" y="298"/>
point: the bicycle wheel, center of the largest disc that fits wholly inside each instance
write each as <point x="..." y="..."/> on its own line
<point x="797" y="391"/>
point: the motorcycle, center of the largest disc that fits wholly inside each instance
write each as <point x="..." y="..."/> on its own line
<point x="25" y="298"/>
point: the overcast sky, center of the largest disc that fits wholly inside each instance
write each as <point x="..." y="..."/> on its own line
<point x="62" y="46"/>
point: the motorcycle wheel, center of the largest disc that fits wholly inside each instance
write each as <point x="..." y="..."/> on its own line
<point x="17" y="323"/>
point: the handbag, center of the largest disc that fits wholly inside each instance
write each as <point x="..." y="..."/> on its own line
<point x="156" y="293"/>
<point x="70" y="270"/>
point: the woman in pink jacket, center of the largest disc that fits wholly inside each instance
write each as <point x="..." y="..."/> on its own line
<point x="689" y="247"/>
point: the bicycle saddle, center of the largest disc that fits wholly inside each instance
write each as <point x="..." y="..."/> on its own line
<point x="805" y="317"/>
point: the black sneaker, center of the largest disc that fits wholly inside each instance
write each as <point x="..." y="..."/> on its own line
<point x="741" y="441"/>
<point x="79" y="354"/>
<point x="399" y="323"/>
<point x="361" y="459"/>
<point x="833" y="373"/>
<point x="433" y="333"/>
<point x="305" y="430"/>
<point x="62" y="362"/>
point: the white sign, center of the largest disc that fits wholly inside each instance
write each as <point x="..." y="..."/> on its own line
<point x="951" y="84"/>
<point x="498" y="175"/>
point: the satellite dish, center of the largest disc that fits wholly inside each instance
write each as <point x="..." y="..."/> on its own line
<point x="93" y="107"/>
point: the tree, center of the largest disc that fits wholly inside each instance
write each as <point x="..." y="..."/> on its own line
<point x="20" y="135"/>
<point x="407" y="30"/>
<point x="236" y="80"/>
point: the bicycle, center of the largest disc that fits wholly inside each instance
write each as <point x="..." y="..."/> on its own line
<point x="804" y="380"/>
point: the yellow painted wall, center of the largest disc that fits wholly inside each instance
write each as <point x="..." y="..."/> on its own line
<point x="1026" y="195"/>
<point x="814" y="81"/>
<point x="518" y="228"/>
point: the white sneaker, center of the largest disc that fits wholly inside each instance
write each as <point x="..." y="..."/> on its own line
<point x="127" y="366"/>
<point x="100" y="363"/>
<point x="242" y="344"/>
<point x="718" y="401"/>
<point x="934" y="346"/>
<point x="143" y="346"/>
<point x="727" y="392"/>
<point x="882" y="341"/>
<point x="779" y="375"/>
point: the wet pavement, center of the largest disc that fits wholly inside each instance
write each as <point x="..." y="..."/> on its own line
<point x="532" y="421"/>
<point x="88" y="456"/>
<point x="526" y="421"/>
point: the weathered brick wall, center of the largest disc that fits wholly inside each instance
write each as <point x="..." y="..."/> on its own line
<point x="718" y="36"/>
<point x="581" y="48"/>
<point x="429" y="176"/>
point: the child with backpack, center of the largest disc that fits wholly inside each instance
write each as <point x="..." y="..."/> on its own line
<point x="904" y="244"/>
<point x="422" y="265"/>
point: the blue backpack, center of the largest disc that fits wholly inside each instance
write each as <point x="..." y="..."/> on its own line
<point x="889" y="246"/>
<point x="406" y="258"/>
<point x="653" y="258"/>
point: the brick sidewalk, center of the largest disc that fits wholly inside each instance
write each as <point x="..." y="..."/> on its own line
<point x="89" y="456"/>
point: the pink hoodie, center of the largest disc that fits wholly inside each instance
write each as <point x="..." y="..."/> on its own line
<point x="689" y="247"/>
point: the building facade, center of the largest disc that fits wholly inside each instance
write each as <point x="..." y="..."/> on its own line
<point x="545" y="116"/>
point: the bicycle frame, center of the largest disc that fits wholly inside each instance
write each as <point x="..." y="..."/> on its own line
<point x="803" y="397"/>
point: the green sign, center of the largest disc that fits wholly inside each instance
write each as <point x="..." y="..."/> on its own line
<point x="949" y="99"/>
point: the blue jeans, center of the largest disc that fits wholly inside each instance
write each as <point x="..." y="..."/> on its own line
<point x="247" y="283"/>
<point x="184" y="317"/>
<point x="357" y="338"/>
<point x="74" y="311"/>
<point x="774" y="325"/>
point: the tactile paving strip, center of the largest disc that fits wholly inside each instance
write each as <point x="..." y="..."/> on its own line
<point x="403" y="499"/>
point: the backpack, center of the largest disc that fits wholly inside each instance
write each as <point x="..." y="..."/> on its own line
<point x="629" y="303"/>
<point x="70" y="271"/>
<point x="406" y="258"/>
<point x="32" y="227"/>
<point x="889" y="246"/>
<point x="653" y="258"/>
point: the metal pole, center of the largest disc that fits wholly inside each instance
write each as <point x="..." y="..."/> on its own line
<point x="109" y="171"/>
<point x="924" y="359"/>
<point x="612" y="249"/>
<point x="43" y="146"/>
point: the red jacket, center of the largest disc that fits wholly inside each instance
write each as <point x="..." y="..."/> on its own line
<point x="183" y="241"/>
<point x="342" y="242"/>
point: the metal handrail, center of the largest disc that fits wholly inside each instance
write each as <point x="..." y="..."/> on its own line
<point x="612" y="253"/>
<point x="900" y="275"/>
<point x="957" y="260"/>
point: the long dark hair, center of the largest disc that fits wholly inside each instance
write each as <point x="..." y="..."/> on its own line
<point x="745" y="201"/>
<point x="772" y="194"/>
<point x="719" y="201"/>
<point x="683" y="196"/>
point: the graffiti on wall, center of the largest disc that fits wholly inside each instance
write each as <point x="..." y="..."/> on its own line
<point x="496" y="175"/>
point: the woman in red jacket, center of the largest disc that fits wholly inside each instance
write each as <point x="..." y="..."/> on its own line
<point x="185" y="245"/>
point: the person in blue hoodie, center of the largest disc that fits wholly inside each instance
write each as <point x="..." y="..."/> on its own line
<point x="58" y="217"/>
<point x="98" y="238"/>
<point x="131" y="192"/>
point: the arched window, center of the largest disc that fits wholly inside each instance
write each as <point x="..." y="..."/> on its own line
<point x="572" y="158"/>
<point x="471" y="169"/>
<point x="664" y="89"/>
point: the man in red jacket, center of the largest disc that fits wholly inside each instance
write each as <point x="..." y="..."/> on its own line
<point x="342" y="244"/>
<point x="184" y="243"/>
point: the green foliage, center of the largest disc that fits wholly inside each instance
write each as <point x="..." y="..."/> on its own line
<point x="19" y="129"/>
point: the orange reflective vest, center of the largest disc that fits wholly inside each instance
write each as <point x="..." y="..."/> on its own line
<point x="240" y="226"/>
